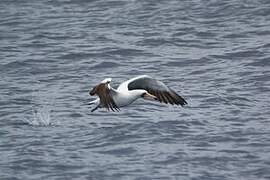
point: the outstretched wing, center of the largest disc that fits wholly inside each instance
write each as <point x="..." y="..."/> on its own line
<point x="105" y="93"/>
<point x="156" y="88"/>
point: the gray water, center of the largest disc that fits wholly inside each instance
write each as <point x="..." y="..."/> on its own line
<point x="216" y="54"/>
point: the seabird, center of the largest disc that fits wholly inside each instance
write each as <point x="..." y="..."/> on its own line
<point x="127" y="92"/>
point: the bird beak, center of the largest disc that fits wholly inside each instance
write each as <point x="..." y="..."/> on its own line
<point x="148" y="96"/>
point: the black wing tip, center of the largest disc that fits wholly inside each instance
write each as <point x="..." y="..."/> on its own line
<point x="114" y="110"/>
<point x="182" y="101"/>
<point x="168" y="97"/>
<point x="114" y="107"/>
<point x="178" y="100"/>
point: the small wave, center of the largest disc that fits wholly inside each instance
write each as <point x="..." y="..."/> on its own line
<point x="106" y="64"/>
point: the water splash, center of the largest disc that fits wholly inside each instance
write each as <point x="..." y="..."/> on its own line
<point x="41" y="109"/>
<point x="41" y="116"/>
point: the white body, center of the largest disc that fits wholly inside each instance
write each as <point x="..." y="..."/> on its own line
<point x="122" y="96"/>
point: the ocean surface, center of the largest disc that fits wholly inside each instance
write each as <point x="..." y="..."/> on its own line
<point x="216" y="54"/>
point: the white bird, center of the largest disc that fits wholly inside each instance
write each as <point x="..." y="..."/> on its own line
<point x="141" y="86"/>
